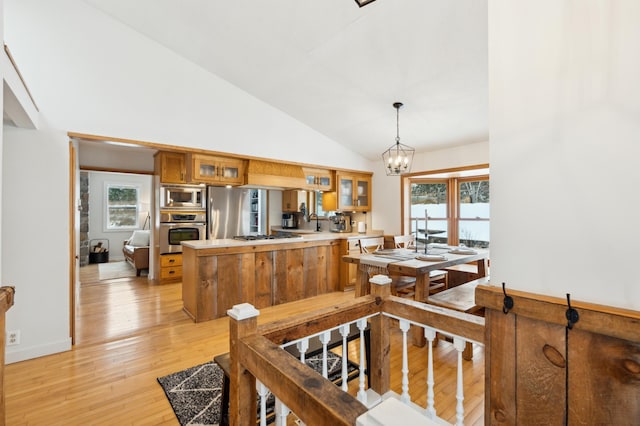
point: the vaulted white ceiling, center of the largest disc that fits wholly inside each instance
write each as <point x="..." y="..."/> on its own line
<point x="336" y="67"/>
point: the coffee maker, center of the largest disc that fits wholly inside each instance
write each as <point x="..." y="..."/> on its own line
<point x="340" y="223"/>
<point x="289" y="221"/>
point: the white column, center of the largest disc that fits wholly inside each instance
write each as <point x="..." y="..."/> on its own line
<point x="303" y="346"/>
<point x="459" y="343"/>
<point x="282" y="412"/>
<point x="325" y="338"/>
<point x="262" y="391"/>
<point x="344" y="332"/>
<point x="404" y="326"/>
<point x="362" y="395"/>
<point x="430" y="335"/>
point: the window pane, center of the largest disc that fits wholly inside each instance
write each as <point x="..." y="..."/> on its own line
<point x="122" y="217"/>
<point x="474" y="233"/>
<point x="122" y="207"/>
<point x="474" y="199"/>
<point x="429" y="199"/>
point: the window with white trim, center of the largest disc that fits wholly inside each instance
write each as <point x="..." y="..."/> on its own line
<point x="121" y="206"/>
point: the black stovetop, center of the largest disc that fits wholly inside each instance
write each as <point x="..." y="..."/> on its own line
<point x="261" y="237"/>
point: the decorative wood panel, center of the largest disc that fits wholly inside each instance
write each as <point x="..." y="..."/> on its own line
<point x="264" y="295"/>
<point x="541" y="369"/>
<point x="500" y="375"/>
<point x="267" y="275"/>
<point x="599" y="358"/>
<point x="608" y="391"/>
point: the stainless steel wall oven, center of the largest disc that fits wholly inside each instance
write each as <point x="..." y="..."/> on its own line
<point x="178" y="226"/>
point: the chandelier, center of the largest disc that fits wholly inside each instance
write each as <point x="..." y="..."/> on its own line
<point x="398" y="158"/>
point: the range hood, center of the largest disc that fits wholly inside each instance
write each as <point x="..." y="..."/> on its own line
<point x="267" y="174"/>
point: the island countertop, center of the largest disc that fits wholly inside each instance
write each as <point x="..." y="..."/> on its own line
<point x="300" y="236"/>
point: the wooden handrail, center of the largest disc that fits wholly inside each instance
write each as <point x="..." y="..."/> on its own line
<point x="255" y="354"/>
<point x="6" y="298"/>
<point x="297" y="385"/>
<point x="459" y="323"/>
<point x="308" y="323"/>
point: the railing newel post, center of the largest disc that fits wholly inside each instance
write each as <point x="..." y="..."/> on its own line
<point x="243" y="321"/>
<point x="379" y="370"/>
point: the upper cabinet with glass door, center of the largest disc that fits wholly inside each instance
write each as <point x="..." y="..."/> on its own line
<point x="354" y="192"/>
<point x="318" y="179"/>
<point x="216" y="170"/>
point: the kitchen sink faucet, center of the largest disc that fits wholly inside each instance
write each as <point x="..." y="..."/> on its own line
<point x="311" y="216"/>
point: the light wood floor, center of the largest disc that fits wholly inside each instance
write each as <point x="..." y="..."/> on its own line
<point x="130" y="332"/>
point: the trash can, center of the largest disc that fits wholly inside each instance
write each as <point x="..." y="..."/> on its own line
<point x="99" y="251"/>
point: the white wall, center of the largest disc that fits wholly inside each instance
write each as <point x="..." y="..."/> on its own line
<point x="97" y="181"/>
<point x="35" y="239"/>
<point x="386" y="196"/>
<point x="90" y="74"/>
<point x="1" y="137"/>
<point x="565" y="125"/>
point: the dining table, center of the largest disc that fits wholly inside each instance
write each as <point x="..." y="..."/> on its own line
<point x="413" y="263"/>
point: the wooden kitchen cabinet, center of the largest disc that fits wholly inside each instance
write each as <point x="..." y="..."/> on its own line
<point x="353" y="192"/>
<point x="319" y="179"/>
<point x="291" y="200"/>
<point x="171" y="167"/>
<point x="170" y="267"/>
<point x="216" y="170"/>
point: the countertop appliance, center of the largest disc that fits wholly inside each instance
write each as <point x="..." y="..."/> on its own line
<point x="178" y="226"/>
<point x="235" y="211"/>
<point x="289" y="221"/>
<point x="340" y="223"/>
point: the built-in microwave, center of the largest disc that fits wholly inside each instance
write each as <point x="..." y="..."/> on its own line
<point x="183" y="197"/>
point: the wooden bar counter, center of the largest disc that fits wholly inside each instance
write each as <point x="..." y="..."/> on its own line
<point x="218" y="274"/>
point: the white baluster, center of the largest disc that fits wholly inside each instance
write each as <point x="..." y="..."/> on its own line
<point x="362" y="395"/>
<point x="282" y="411"/>
<point x="303" y="346"/>
<point x="325" y="338"/>
<point x="262" y="391"/>
<point x="430" y="335"/>
<point x="345" y="329"/>
<point x="404" y="326"/>
<point x="459" y="343"/>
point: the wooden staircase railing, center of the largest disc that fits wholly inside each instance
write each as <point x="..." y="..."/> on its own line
<point x="256" y="355"/>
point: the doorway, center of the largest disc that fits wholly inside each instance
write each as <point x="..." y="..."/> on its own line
<point x="109" y="304"/>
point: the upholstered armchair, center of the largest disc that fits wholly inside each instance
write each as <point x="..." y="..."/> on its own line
<point x="136" y="250"/>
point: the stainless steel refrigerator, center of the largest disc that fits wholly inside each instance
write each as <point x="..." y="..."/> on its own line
<point x="235" y="211"/>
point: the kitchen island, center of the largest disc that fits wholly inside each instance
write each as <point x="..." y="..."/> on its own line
<point x="218" y="274"/>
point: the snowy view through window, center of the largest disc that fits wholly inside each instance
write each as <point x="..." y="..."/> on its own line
<point x="431" y="199"/>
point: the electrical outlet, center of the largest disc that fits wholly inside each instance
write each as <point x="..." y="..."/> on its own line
<point x="13" y="337"/>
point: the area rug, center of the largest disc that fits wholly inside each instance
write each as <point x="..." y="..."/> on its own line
<point x="113" y="270"/>
<point x="195" y="393"/>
